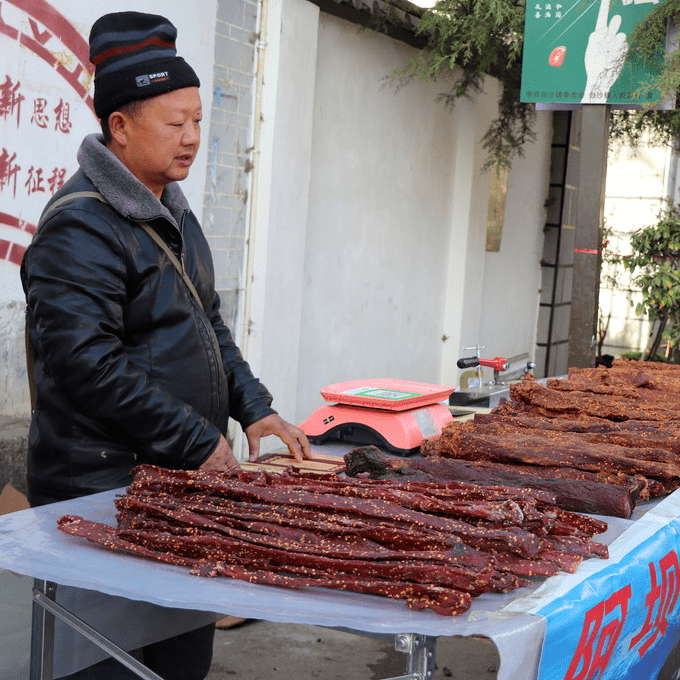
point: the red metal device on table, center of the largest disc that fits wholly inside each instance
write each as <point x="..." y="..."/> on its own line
<point x="396" y="415"/>
<point x="475" y="390"/>
<point x="497" y="363"/>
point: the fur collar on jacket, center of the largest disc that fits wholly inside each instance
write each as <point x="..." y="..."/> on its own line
<point x="123" y="190"/>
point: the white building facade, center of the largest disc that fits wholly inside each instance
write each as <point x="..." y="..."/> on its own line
<point x="347" y="217"/>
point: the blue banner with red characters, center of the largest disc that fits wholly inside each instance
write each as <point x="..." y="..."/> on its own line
<point x="622" y="622"/>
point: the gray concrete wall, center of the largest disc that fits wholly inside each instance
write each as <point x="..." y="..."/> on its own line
<point x="14" y="397"/>
<point x="13" y="447"/>
<point x="379" y="223"/>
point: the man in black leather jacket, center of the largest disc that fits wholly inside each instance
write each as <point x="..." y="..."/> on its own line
<point x="131" y="365"/>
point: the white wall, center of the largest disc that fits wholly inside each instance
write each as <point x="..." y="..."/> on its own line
<point x="375" y="250"/>
<point x="493" y="297"/>
<point x="512" y="276"/>
<point x="379" y="217"/>
<point x="45" y="61"/>
<point x="637" y="183"/>
<point x="278" y="233"/>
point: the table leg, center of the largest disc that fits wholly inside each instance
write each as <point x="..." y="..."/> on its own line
<point x="421" y="651"/>
<point x="42" y="633"/>
<point x="45" y="609"/>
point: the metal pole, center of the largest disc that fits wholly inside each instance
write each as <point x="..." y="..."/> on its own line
<point x="421" y="653"/>
<point x="42" y="633"/>
<point x="588" y="236"/>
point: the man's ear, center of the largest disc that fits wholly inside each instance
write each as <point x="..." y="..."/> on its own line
<point x="118" y="126"/>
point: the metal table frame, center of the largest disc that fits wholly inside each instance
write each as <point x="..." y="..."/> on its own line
<point x="420" y="650"/>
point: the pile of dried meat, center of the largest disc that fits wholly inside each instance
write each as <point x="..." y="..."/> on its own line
<point x="435" y="545"/>
<point x="600" y="440"/>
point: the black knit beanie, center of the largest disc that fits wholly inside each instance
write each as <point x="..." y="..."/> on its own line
<point x="135" y="57"/>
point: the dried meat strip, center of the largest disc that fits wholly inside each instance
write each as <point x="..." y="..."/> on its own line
<point x="386" y="534"/>
<point x="555" y="402"/>
<point x="647" y="438"/>
<point x="396" y="540"/>
<point x="443" y="600"/>
<point x="537" y="450"/>
<point x="514" y="538"/>
<point x="436" y="570"/>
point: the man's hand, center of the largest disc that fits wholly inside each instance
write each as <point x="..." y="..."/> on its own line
<point x="221" y="458"/>
<point x="293" y="437"/>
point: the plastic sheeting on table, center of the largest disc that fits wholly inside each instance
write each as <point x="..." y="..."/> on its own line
<point x="31" y="544"/>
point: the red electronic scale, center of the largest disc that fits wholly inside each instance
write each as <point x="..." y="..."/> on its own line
<point x="393" y="414"/>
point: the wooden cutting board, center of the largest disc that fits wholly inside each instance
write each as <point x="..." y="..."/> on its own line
<point x="279" y="462"/>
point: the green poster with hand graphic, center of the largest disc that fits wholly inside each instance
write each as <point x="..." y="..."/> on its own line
<point x="577" y="52"/>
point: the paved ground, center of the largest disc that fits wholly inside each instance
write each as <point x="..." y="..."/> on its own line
<point x="259" y="650"/>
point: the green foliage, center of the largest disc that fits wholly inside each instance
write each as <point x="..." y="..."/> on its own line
<point x="471" y="39"/>
<point x="649" y="38"/>
<point x="655" y="265"/>
<point x="655" y="128"/>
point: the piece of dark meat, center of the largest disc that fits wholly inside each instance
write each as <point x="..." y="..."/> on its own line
<point x="534" y="448"/>
<point x="579" y="495"/>
<point x="637" y="434"/>
<point x="559" y="399"/>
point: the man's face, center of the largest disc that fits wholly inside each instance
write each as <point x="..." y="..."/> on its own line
<point x="162" y="139"/>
